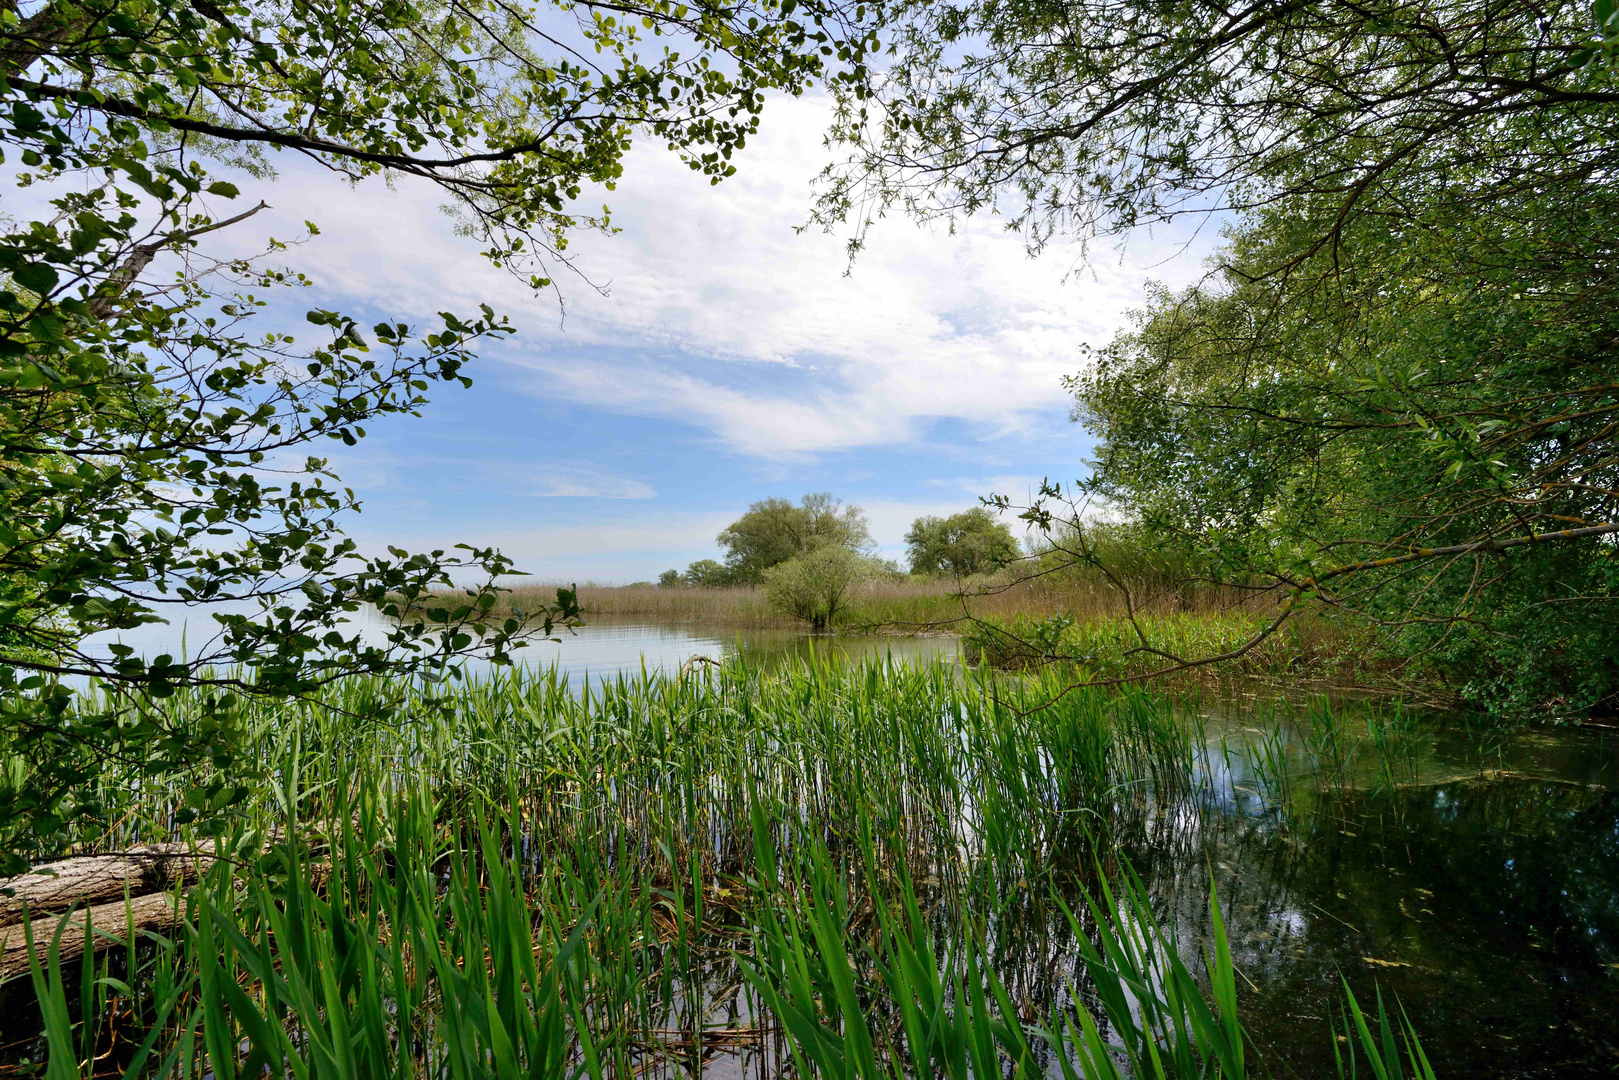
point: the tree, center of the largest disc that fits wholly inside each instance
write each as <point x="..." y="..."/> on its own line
<point x="707" y="574"/>
<point x="817" y="584"/>
<point x="961" y="545"/>
<point x="154" y="448"/>
<point x="1418" y="448"/>
<point x="670" y="579"/>
<point x="774" y="530"/>
<point x="1099" y="115"/>
<point x="1392" y="397"/>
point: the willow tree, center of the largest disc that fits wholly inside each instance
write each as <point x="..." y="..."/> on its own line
<point x="1394" y="394"/>
<point x="148" y="424"/>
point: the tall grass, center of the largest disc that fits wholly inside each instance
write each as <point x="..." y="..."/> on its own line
<point x="955" y="762"/>
<point x="510" y="878"/>
<point x="914" y="1002"/>
<point x="424" y="953"/>
<point x="892" y="606"/>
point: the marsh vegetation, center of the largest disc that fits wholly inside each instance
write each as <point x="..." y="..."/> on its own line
<point x="833" y="869"/>
<point x="1375" y="444"/>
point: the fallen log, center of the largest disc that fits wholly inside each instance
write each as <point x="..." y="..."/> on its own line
<point x="89" y="926"/>
<point x="97" y="879"/>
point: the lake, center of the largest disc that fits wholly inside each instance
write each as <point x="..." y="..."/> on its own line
<point x="603" y="648"/>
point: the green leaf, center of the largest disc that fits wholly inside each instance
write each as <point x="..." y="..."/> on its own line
<point x="36" y="276"/>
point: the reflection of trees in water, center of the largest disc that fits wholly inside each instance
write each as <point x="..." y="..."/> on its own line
<point x="1490" y="909"/>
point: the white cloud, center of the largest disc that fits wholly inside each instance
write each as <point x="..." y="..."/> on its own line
<point x="719" y="315"/>
<point x="607" y="551"/>
<point x="756" y="333"/>
<point x="588" y="483"/>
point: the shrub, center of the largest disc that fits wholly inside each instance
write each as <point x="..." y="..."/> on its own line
<point x="815" y="586"/>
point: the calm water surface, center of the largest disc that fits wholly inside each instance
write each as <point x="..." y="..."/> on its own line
<point x="1479" y="885"/>
<point x="601" y="650"/>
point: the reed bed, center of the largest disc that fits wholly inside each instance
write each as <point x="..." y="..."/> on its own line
<point x="1304" y="647"/>
<point x="1074" y="619"/>
<point x="956" y="766"/>
<point x="905" y="605"/>
<point x="822" y="870"/>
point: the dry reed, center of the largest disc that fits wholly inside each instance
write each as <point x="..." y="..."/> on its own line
<point x="912" y="605"/>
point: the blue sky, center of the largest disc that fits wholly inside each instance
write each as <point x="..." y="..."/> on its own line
<point x="731" y="358"/>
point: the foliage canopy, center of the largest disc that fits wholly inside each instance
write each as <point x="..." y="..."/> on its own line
<point x="155" y="448"/>
<point x="1393" y="396"/>
<point x="961" y="545"/>
<point x="775" y="530"/>
<point x="706" y="574"/>
<point x="1103" y="114"/>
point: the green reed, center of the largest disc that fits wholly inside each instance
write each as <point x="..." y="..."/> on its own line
<point x="1108" y="645"/>
<point x="511" y="878"/>
<point x="913" y="1002"/>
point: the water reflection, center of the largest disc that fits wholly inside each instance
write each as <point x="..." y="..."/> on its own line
<point x="1483" y="893"/>
<point x="603" y="649"/>
<point x="606" y="648"/>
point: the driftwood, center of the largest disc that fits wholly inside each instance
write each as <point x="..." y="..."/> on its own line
<point x="94" y="888"/>
<point x="95" y="885"/>
<point x="153" y="877"/>
<point x="97" y="879"/>
<point x="154" y="911"/>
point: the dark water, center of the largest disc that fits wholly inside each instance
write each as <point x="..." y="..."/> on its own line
<point x="1488" y="909"/>
<point x="1482" y="892"/>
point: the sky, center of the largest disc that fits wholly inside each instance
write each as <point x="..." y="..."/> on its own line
<point x="726" y="357"/>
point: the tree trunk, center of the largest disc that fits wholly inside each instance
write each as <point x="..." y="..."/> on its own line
<point x="96" y="885"/>
<point x="155" y="911"/>
<point x="97" y="879"/>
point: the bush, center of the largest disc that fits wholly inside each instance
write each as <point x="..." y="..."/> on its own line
<point x="815" y="586"/>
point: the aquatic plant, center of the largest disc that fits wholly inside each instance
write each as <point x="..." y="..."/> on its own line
<point x="526" y="877"/>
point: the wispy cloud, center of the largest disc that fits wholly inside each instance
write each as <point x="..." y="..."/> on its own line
<point x="588" y="483"/>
